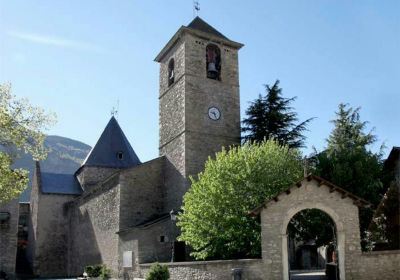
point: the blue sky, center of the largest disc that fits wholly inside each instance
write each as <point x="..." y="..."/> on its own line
<point x="77" y="58"/>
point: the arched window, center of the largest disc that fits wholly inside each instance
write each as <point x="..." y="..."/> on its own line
<point x="213" y="58"/>
<point x="171" y="72"/>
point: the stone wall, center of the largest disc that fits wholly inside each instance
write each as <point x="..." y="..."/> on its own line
<point x="48" y="231"/>
<point x="145" y="242"/>
<point x="51" y="238"/>
<point x="172" y="126"/>
<point x="94" y="221"/>
<point x="32" y="227"/>
<point x="8" y="238"/>
<point x="378" y="265"/>
<point x="252" y="269"/>
<point x="90" y="176"/>
<point x="142" y="193"/>
<point x="205" y="137"/>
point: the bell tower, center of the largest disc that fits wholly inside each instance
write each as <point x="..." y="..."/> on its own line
<point x="199" y="104"/>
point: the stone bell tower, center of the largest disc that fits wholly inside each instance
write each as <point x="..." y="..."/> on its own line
<point x="199" y="100"/>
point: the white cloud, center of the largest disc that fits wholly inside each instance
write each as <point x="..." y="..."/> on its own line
<point x="56" y="41"/>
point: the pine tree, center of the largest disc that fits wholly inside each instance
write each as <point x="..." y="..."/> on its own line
<point x="272" y="117"/>
<point x="349" y="163"/>
<point x="347" y="160"/>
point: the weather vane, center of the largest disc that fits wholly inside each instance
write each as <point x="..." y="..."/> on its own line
<point x="114" y="110"/>
<point x="196" y="8"/>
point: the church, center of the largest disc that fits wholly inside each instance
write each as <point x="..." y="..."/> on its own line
<point x="119" y="211"/>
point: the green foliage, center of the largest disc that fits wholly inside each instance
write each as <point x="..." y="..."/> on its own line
<point x="271" y="117"/>
<point x="312" y="224"/>
<point x="21" y="128"/>
<point x="347" y="161"/>
<point x="158" y="272"/>
<point x="12" y="181"/>
<point x="98" y="270"/>
<point x="215" y="221"/>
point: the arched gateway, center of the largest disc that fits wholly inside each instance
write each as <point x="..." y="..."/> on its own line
<point x="311" y="193"/>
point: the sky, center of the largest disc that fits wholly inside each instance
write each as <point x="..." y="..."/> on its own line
<point x="79" y="59"/>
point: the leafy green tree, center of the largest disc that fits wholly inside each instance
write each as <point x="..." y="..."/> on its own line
<point x="348" y="162"/>
<point x="271" y="117"/>
<point x="21" y="129"/>
<point x="215" y="220"/>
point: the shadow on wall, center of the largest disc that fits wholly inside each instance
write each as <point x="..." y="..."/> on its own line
<point x="84" y="249"/>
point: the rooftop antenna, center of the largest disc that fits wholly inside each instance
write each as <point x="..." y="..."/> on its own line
<point x="114" y="110"/>
<point x="196" y="8"/>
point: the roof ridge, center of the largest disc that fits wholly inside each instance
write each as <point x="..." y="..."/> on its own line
<point x="199" y="24"/>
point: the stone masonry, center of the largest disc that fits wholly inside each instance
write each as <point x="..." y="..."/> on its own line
<point x="187" y="135"/>
<point x="8" y="238"/>
<point x="341" y="207"/>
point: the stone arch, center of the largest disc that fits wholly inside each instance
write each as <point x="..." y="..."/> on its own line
<point x="291" y="212"/>
<point x="171" y="71"/>
<point x="310" y="193"/>
<point x="309" y="205"/>
<point x="213" y="62"/>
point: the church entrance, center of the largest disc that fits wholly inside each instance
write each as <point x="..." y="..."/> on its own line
<point x="312" y="251"/>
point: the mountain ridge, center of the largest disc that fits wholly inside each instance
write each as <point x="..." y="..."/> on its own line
<point x="65" y="156"/>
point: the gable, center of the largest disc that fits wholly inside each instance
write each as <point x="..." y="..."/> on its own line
<point x="314" y="189"/>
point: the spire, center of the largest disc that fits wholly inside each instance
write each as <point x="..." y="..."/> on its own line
<point x="112" y="149"/>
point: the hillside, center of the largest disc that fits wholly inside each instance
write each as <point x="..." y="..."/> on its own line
<point x="65" y="156"/>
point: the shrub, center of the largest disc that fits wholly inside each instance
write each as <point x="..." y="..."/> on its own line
<point x="158" y="272"/>
<point x="98" y="270"/>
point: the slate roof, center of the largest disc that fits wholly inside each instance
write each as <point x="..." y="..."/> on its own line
<point x="201" y="25"/>
<point x="53" y="183"/>
<point x="111" y="142"/>
<point x="197" y="24"/>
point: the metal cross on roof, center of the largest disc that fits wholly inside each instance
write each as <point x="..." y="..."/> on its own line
<point x="114" y="110"/>
<point x="196" y="8"/>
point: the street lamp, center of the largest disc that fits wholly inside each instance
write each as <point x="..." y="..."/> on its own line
<point x="172" y="214"/>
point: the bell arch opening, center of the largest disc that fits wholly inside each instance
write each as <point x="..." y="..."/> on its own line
<point x="171" y="72"/>
<point x="213" y="62"/>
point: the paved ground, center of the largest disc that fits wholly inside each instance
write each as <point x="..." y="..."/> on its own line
<point x="307" y="275"/>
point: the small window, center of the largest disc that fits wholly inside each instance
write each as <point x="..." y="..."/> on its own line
<point x="213" y="62"/>
<point x="163" y="238"/>
<point x="120" y="155"/>
<point x="171" y="72"/>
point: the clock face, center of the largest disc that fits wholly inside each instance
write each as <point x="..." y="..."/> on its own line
<point x="214" y="113"/>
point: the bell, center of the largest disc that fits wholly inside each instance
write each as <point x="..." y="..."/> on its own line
<point x="211" y="67"/>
